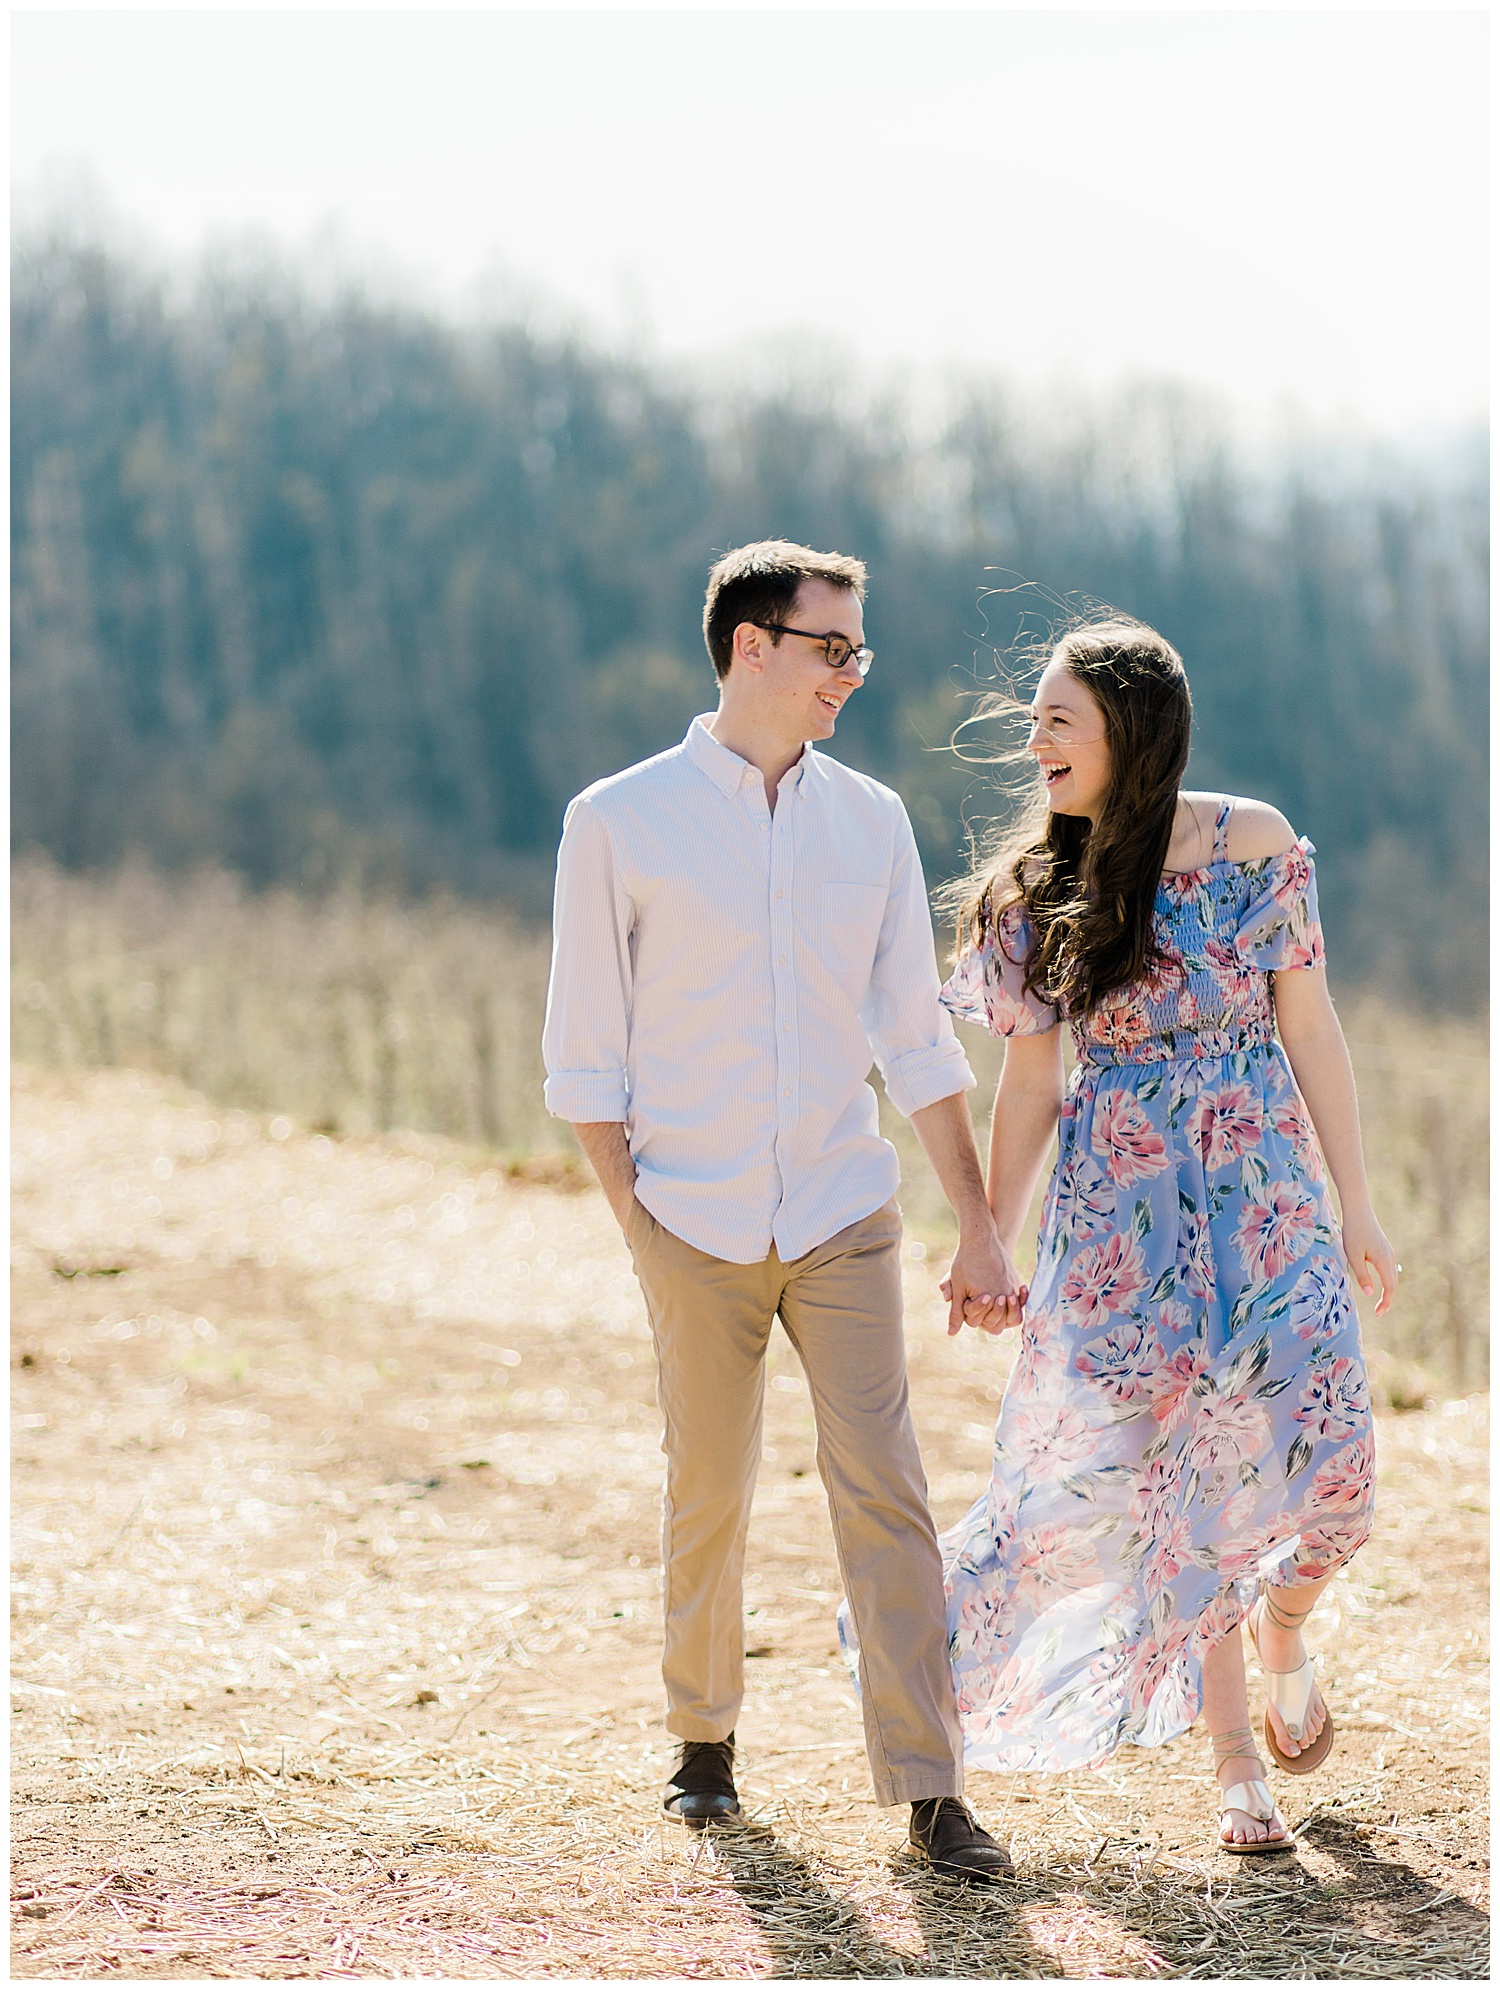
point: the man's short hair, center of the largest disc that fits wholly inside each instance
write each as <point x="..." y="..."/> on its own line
<point x="759" y="583"/>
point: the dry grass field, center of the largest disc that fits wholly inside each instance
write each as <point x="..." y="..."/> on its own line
<point x="335" y="1644"/>
<point x="354" y="1013"/>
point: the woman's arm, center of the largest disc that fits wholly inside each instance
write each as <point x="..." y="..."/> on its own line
<point x="1027" y="1103"/>
<point x="1319" y="1057"/>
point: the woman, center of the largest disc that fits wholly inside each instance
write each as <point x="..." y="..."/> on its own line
<point x="1185" y="1441"/>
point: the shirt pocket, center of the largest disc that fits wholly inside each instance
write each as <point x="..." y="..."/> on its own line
<point x="849" y="926"/>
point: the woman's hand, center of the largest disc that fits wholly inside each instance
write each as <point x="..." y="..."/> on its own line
<point x="982" y="1287"/>
<point x="1370" y="1256"/>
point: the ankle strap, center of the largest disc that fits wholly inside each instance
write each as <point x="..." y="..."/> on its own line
<point x="1233" y="1741"/>
<point x="1286" y="1620"/>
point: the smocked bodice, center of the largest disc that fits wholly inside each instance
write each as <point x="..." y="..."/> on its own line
<point x="1223" y="930"/>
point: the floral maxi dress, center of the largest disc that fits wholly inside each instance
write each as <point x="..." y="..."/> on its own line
<point x="1188" y="1413"/>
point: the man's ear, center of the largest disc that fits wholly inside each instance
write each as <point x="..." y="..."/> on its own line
<point x="750" y="646"/>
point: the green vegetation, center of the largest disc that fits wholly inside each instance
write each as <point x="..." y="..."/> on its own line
<point x="328" y="590"/>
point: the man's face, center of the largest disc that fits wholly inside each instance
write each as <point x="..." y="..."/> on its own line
<point x="797" y="681"/>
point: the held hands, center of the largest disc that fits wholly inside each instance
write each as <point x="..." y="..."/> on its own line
<point x="1370" y="1256"/>
<point x="982" y="1287"/>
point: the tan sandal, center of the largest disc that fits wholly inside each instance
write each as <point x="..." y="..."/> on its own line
<point x="1254" y="1798"/>
<point x="1291" y="1695"/>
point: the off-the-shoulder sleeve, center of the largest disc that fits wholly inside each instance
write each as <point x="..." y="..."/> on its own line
<point x="1279" y="928"/>
<point x="988" y="984"/>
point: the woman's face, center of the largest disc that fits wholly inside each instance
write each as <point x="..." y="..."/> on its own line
<point x="1068" y="744"/>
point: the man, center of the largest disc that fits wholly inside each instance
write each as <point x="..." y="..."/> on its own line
<point x="740" y="925"/>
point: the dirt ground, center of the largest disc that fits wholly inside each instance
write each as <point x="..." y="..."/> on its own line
<point x="335" y="1641"/>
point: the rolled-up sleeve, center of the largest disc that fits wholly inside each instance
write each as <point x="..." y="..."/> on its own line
<point x="586" y="1036"/>
<point x="919" y="1058"/>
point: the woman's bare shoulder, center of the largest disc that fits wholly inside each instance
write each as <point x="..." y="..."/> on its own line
<point x="1257" y="830"/>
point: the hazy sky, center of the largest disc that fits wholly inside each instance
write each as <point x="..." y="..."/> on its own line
<point x="1279" y="205"/>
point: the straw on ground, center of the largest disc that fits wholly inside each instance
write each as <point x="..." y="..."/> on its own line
<point x="336" y="1501"/>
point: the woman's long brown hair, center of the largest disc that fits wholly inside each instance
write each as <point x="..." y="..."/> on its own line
<point x="1090" y="889"/>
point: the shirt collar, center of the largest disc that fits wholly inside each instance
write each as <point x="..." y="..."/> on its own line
<point x="725" y="769"/>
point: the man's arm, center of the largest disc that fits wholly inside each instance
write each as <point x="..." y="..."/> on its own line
<point x="608" y="1151"/>
<point x="981" y="1285"/>
<point x="585" y="1040"/>
<point x="926" y="1076"/>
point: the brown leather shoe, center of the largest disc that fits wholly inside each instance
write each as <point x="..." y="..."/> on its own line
<point x="952" y="1840"/>
<point x="701" y="1788"/>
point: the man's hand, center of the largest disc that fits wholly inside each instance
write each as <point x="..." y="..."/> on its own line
<point x="982" y="1287"/>
<point x="608" y="1151"/>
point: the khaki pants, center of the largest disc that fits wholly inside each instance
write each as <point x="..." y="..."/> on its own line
<point x="841" y="1307"/>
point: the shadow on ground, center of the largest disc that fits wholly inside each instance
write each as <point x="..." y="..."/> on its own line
<point x="1272" y="1919"/>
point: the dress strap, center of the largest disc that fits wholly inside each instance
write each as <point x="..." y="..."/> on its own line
<point x="1221" y="829"/>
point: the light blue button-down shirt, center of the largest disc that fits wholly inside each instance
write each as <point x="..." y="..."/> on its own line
<point x="722" y="977"/>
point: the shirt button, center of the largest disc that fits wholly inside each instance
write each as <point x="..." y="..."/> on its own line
<point x="781" y="960"/>
<point x="778" y="894"/>
<point x="787" y="1093"/>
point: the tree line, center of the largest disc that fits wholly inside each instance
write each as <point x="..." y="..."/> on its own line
<point x="317" y="587"/>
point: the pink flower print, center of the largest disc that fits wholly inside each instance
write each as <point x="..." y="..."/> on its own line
<point x="1172" y="1385"/>
<point x="1174" y="1319"/>
<point x="1275" y="1229"/>
<point x="1124" y="1362"/>
<point x="1331" y="1543"/>
<point x="1237" y="1509"/>
<point x="1165" y="978"/>
<point x="1039" y="1369"/>
<point x="1170" y="1552"/>
<point x="1320" y="1302"/>
<point x="1053" y="1435"/>
<point x="1288" y="876"/>
<point x="1120" y="1020"/>
<point x="971" y="1689"/>
<point x="1103" y="1279"/>
<point x="1179" y="885"/>
<point x="1009" y="1014"/>
<point x="1289" y="1119"/>
<point x="1228" y="969"/>
<point x="1153" y="1661"/>
<point x="1051" y="1562"/>
<point x="1336" y="1401"/>
<point x="1298" y="872"/>
<point x="1069" y="1730"/>
<point x="1227" y="1431"/>
<point x="1242" y="1548"/>
<point x="1346" y="1484"/>
<point x="985" y="1619"/>
<point x="1089" y="1199"/>
<point x="1014" y="933"/>
<point x="1195" y="1254"/>
<point x="1293" y="1125"/>
<point x="1225" y="1124"/>
<point x="1300" y="953"/>
<point x="1189" y="1010"/>
<point x="1217" y="1621"/>
<point x="1156" y="1495"/>
<point x="1131" y="1147"/>
<point x="1011" y="1696"/>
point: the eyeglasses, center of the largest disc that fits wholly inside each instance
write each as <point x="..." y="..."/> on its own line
<point x="837" y="649"/>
